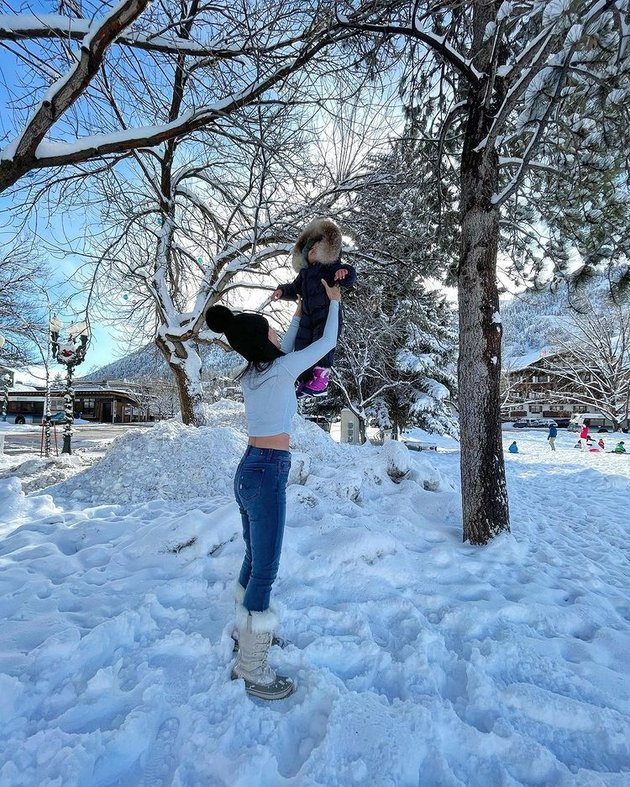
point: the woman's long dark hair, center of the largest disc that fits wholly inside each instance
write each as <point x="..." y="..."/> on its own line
<point x="258" y="366"/>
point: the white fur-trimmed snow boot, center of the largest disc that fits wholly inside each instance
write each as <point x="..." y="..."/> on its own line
<point x="255" y="632"/>
<point x="239" y="595"/>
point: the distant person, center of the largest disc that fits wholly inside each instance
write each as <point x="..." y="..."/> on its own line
<point x="513" y="449"/>
<point x="585" y="438"/>
<point x="601" y="444"/>
<point x="620" y="448"/>
<point x="551" y="437"/>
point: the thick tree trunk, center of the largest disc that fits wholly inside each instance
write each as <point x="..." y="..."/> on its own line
<point x="484" y="495"/>
<point x="186" y="367"/>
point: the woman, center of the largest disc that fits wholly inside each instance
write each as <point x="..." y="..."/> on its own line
<point x="268" y="385"/>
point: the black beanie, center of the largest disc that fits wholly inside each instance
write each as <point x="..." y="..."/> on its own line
<point x="247" y="334"/>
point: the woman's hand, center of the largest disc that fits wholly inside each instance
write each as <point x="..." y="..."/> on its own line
<point x="334" y="293"/>
<point x="276" y="294"/>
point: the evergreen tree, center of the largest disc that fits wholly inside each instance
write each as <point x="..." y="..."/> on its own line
<point x="395" y="364"/>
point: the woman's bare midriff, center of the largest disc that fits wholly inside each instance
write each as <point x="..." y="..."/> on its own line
<point x="278" y="441"/>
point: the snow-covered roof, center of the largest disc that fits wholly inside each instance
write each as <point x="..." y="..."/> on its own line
<point x="519" y="362"/>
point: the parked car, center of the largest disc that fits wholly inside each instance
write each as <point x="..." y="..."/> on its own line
<point x="534" y="423"/>
<point x="596" y="422"/>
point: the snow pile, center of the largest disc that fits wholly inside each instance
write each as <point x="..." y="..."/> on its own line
<point x="225" y="413"/>
<point x="16" y="507"/>
<point x="168" y="462"/>
<point x="36" y="474"/>
<point x="176" y="462"/>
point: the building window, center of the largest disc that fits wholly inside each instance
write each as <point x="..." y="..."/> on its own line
<point x="535" y="408"/>
<point x="579" y="408"/>
<point x="86" y="406"/>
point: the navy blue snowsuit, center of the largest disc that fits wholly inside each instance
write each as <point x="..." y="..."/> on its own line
<point x="315" y="302"/>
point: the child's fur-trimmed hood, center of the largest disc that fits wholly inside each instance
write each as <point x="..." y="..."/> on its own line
<point x="328" y="234"/>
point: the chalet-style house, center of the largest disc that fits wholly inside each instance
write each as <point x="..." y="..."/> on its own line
<point x="530" y="390"/>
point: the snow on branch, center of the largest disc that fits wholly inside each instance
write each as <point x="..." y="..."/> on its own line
<point x="15" y="27"/>
<point x="514" y="161"/>
<point x="16" y="158"/>
<point x="532" y="145"/>
<point x="19" y="27"/>
<point x="432" y="40"/>
<point x="550" y="49"/>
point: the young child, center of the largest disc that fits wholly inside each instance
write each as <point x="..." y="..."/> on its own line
<point x="316" y="256"/>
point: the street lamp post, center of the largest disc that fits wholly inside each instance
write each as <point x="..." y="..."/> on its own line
<point x="5" y="382"/>
<point x="69" y="354"/>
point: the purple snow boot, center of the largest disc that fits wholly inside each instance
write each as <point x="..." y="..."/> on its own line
<point x="318" y="384"/>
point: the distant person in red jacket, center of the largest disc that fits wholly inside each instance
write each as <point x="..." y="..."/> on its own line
<point x="584" y="437"/>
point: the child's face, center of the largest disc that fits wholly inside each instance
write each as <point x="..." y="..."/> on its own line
<point x="312" y="253"/>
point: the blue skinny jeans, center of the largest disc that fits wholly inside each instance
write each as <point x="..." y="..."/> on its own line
<point x="260" y="491"/>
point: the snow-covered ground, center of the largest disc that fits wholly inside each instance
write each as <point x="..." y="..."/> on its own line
<point x="419" y="660"/>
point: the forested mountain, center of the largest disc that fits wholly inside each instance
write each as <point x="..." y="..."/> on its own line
<point x="148" y="362"/>
<point x="532" y="318"/>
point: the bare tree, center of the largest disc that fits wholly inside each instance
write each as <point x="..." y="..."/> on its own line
<point x="182" y="219"/>
<point x="210" y="215"/>
<point x="229" y="227"/>
<point x="23" y="305"/>
<point x="501" y="79"/>
<point x="592" y="365"/>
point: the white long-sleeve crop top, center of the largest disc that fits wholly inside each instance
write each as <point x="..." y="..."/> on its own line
<point x="270" y="402"/>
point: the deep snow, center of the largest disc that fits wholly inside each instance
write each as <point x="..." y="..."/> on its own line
<point x="419" y="660"/>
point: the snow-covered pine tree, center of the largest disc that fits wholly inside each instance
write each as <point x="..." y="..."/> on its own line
<point x="396" y="359"/>
<point x="398" y="355"/>
<point x="404" y="218"/>
<point x="427" y="365"/>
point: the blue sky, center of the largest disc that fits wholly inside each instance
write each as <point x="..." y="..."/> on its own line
<point x="103" y="347"/>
